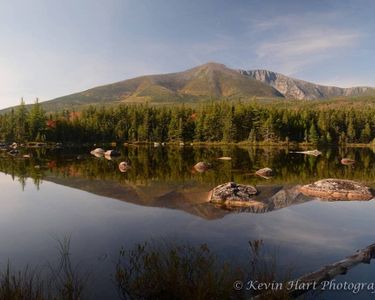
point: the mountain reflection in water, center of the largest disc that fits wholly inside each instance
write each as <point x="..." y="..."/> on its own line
<point x="165" y="177"/>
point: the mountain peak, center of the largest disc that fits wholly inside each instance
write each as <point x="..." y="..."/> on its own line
<point x="213" y="64"/>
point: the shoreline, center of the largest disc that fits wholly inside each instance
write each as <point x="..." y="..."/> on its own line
<point x="303" y="145"/>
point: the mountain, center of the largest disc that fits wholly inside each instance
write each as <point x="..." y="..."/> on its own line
<point x="205" y="82"/>
<point x="211" y="80"/>
<point x="303" y="90"/>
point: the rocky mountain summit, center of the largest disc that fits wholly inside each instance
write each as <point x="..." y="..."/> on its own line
<point x="298" y="89"/>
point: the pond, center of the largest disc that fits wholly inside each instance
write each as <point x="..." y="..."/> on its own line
<point x="68" y="192"/>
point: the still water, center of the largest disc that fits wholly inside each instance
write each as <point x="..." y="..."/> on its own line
<point x="68" y="192"/>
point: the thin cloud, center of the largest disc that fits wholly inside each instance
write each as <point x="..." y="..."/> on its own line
<point x="303" y="48"/>
<point x="307" y="44"/>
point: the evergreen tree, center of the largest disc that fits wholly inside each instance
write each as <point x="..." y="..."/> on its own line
<point x="313" y="134"/>
<point x="21" y="116"/>
<point x="37" y="122"/>
<point x="366" y="133"/>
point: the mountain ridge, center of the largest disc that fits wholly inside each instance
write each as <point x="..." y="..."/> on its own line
<point x="209" y="81"/>
<point x="300" y="89"/>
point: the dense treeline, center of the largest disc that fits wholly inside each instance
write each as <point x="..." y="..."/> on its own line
<point x="214" y="122"/>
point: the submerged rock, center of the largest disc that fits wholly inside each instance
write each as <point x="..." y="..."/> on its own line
<point x="13" y="152"/>
<point x="233" y="194"/>
<point x="225" y="158"/>
<point x="98" y="152"/>
<point x="347" y="161"/>
<point x="202" y="166"/>
<point x="111" y="153"/>
<point x="338" y="189"/>
<point x="124" y="166"/>
<point x="265" y="172"/>
<point x="310" y="152"/>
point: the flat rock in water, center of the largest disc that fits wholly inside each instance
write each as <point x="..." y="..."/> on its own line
<point x="202" y="166"/>
<point x="233" y="194"/>
<point x="265" y="172"/>
<point x="338" y="189"/>
<point x="310" y="152"/>
<point x="347" y="161"/>
<point x="98" y="152"/>
<point x="124" y="166"/>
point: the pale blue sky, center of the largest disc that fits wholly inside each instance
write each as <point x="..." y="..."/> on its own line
<point x="50" y="48"/>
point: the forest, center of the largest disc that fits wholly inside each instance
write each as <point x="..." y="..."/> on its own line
<point x="219" y="121"/>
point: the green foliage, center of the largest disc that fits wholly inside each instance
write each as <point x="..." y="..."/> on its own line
<point x="210" y="122"/>
<point x="36" y="122"/>
<point x="313" y="134"/>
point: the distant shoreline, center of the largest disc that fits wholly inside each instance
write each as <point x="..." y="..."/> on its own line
<point x="261" y="144"/>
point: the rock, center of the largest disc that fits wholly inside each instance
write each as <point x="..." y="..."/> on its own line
<point x="233" y="194"/>
<point x="27" y="156"/>
<point x="98" y="152"/>
<point x="347" y="161"/>
<point x="288" y="196"/>
<point x="13" y="152"/>
<point x="265" y="172"/>
<point x="14" y="145"/>
<point x="111" y="153"/>
<point x="156" y="145"/>
<point x="202" y="166"/>
<point x="310" y="152"/>
<point x="225" y="158"/>
<point x="338" y="189"/>
<point x="123" y="166"/>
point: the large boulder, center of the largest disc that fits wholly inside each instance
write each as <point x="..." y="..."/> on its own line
<point x="338" y="189"/>
<point x="265" y="172"/>
<point x="233" y="194"/>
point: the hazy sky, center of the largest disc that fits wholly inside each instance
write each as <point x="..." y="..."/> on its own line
<point x="51" y="48"/>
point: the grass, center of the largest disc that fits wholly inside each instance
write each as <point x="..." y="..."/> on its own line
<point x="159" y="270"/>
<point x="150" y="271"/>
<point x="61" y="282"/>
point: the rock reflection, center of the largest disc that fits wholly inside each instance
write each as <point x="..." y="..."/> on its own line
<point x="163" y="177"/>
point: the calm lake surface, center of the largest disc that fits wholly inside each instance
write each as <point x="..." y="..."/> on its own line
<point x="71" y="193"/>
